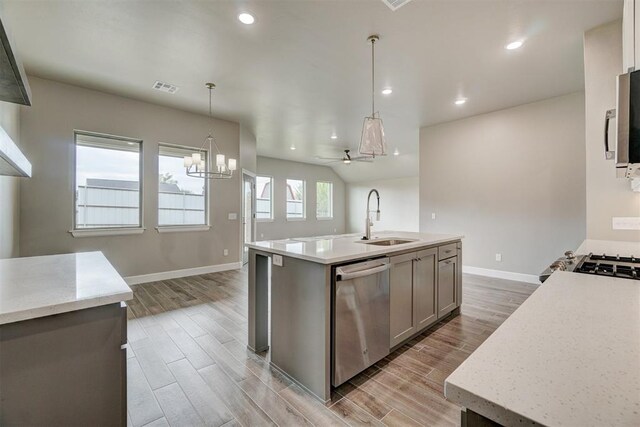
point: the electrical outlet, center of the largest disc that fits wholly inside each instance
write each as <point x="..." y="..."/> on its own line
<point x="277" y="260"/>
<point x="625" y="223"/>
<point x="226" y="252"/>
<point x="499" y="257"/>
<point x="262" y="235"/>
<point x="433" y="215"/>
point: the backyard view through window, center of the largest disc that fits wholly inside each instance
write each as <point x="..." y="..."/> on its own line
<point x="264" y="197"/>
<point x="324" y="200"/>
<point x="107" y="181"/>
<point x="181" y="198"/>
<point x="295" y="199"/>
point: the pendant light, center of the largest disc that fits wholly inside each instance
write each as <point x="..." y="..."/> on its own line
<point x="372" y="142"/>
<point x="200" y="164"/>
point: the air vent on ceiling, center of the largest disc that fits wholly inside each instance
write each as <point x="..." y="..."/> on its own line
<point x="165" y="87"/>
<point x="395" y="4"/>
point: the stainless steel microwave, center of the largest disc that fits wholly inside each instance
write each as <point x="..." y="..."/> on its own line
<point x="627" y="149"/>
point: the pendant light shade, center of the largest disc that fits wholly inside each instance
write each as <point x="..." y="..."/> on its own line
<point x="372" y="141"/>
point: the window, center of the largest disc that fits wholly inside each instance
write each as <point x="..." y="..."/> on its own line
<point x="182" y="199"/>
<point x="107" y="182"/>
<point x="264" y="198"/>
<point x="324" y="200"/>
<point x="295" y="199"/>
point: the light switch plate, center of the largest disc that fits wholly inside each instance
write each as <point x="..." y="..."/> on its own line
<point x="433" y="215"/>
<point x="625" y="222"/>
<point x="233" y="216"/>
<point x="277" y="260"/>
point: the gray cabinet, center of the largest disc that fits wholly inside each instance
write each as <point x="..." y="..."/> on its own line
<point x="447" y="286"/>
<point x="412" y="293"/>
<point x="424" y="286"/>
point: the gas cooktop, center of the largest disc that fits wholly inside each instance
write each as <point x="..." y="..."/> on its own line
<point x="600" y="265"/>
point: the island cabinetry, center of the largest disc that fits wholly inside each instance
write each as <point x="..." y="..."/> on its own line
<point x="65" y="369"/>
<point x="412" y="293"/>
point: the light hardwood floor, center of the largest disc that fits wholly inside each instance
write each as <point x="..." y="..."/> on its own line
<point x="188" y="364"/>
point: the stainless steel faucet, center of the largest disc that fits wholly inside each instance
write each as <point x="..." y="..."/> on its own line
<point x="369" y="223"/>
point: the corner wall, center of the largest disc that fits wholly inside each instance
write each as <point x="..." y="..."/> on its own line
<point x="512" y="181"/>
<point x="607" y="196"/>
<point x="10" y="187"/>
<point x="399" y="205"/>
<point x="47" y="201"/>
<point x="280" y="228"/>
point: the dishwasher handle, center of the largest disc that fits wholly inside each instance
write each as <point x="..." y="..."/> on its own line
<point x="342" y="276"/>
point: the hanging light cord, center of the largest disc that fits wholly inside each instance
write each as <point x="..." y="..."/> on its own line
<point x="373" y="77"/>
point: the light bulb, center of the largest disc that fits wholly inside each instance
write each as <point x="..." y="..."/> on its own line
<point x="232" y="164"/>
<point x="188" y="161"/>
<point x="219" y="159"/>
<point x="196" y="158"/>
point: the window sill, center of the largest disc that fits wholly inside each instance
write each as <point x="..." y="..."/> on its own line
<point x="264" y="220"/>
<point x="182" y="228"/>
<point x="99" y="232"/>
<point x="324" y="218"/>
<point x="296" y="219"/>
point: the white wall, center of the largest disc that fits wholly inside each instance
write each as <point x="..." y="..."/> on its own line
<point x="607" y="196"/>
<point x="280" y="228"/>
<point x="399" y="205"/>
<point x="10" y="187"/>
<point x="512" y="181"/>
<point x="47" y="199"/>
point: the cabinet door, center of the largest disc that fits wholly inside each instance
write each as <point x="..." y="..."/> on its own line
<point x="424" y="287"/>
<point x="629" y="44"/>
<point x="447" y="285"/>
<point x="402" y="319"/>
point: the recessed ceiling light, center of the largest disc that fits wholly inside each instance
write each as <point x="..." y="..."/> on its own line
<point x="514" y="45"/>
<point x="387" y="91"/>
<point x="334" y="136"/>
<point x="396" y="152"/>
<point x="246" y="18"/>
<point x="460" y="101"/>
<point x="293" y="147"/>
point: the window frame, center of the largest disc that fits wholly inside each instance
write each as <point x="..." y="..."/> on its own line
<point x="271" y="203"/>
<point x="304" y="199"/>
<point x="106" y="231"/>
<point x="169" y="228"/>
<point x="330" y="217"/>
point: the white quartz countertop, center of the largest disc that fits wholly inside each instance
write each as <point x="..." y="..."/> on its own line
<point x="40" y="286"/>
<point x="347" y="247"/>
<point x="568" y="356"/>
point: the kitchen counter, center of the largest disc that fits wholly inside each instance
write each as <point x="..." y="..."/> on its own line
<point x="294" y="278"/>
<point x="34" y="287"/>
<point x="569" y="356"/>
<point x="348" y="247"/>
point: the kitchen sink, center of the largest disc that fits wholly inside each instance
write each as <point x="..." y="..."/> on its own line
<point x="387" y="242"/>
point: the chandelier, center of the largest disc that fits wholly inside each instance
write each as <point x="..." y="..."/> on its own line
<point x="372" y="142"/>
<point x="200" y="164"/>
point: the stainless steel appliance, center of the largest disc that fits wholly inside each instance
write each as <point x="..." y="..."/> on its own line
<point x="599" y="265"/>
<point x="627" y="114"/>
<point x="360" y="318"/>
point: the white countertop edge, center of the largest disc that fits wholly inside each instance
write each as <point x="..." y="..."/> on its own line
<point x="383" y="250"/>
<point x="34" y="313"/>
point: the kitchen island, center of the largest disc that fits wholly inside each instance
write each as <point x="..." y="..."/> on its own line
<point x="568" y="356"/>
<point x="424" y="285"/>
<point x="62" y="335"/>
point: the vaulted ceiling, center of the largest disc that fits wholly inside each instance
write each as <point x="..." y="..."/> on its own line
<point x="301" y="72"/>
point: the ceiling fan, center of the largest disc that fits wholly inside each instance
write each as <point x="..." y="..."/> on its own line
<point x="347" y="158"/>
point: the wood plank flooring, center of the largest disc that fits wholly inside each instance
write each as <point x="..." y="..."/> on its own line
<point x="188" y="364"/>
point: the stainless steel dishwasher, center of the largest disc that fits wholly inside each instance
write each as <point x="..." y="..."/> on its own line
<point x="360" y="317"/>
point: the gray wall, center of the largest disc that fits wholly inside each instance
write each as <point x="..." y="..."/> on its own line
<point x="47" y="199"/>
<point x="399" y="205"/>
<point x="10" y="188"/>
<point x="511" y="181"/>
<point x="280" y="228"/>
<point x="248" y="156"/>
<point x="607" y="196"/>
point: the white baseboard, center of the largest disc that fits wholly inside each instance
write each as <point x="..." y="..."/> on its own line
<point x="517" y="277"/>
<point x="174" y="274"/>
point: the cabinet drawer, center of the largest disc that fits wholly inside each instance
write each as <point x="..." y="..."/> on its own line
<point x="447" y="251"/>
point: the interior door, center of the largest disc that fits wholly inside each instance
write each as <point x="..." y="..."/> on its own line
<point x="248" y="213"/>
